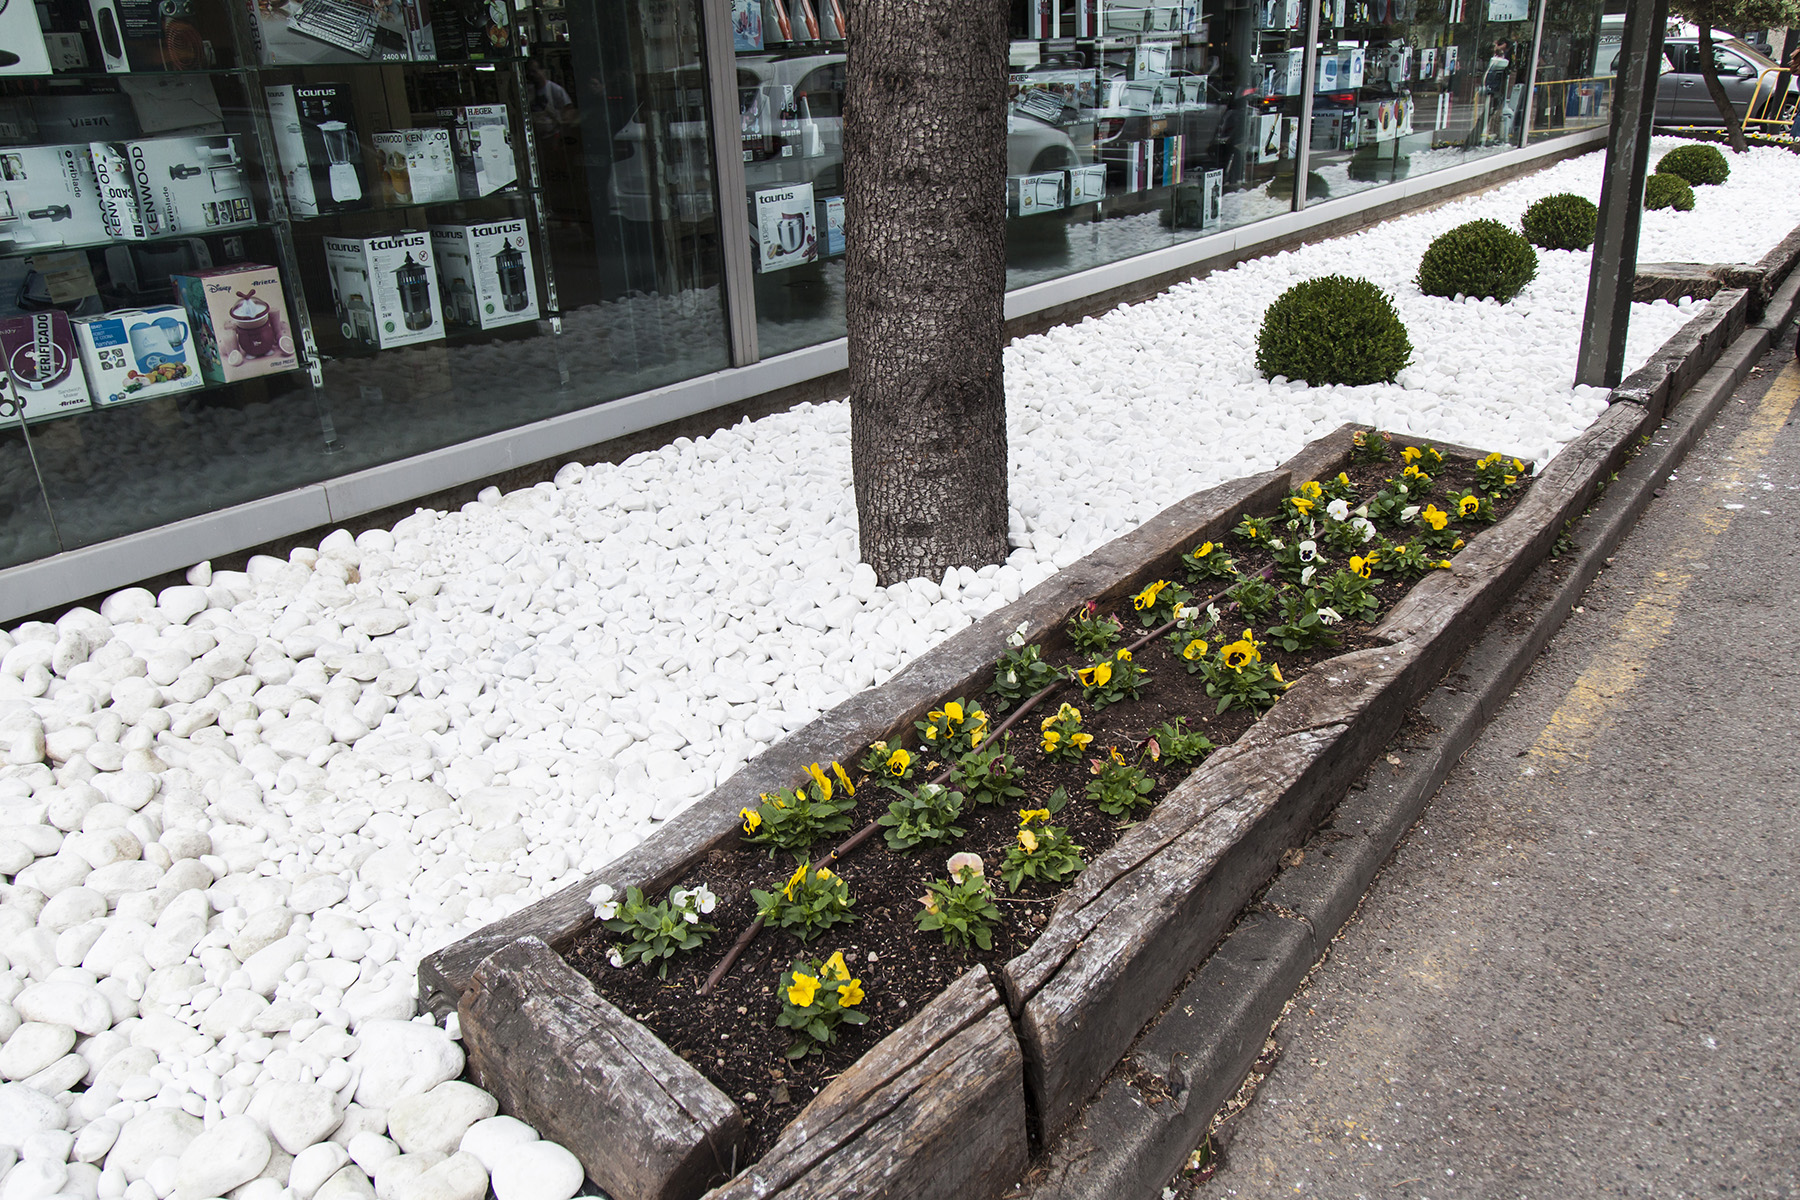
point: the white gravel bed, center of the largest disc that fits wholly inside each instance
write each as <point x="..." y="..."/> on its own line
<point x="235" y="815"/>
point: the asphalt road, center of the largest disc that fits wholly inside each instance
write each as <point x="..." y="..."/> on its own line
<point x="1580" y="974"/>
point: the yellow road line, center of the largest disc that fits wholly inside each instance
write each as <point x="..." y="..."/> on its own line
<point x="1615" y="669"/>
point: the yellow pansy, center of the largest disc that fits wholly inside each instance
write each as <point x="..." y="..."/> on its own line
<point x="1080" y="740"/>
<point x="1275" y="671"/>
<point x="1239" y="655"/>
<point x="823" y="873"/>
<point x="1301" y="503"/>
<point x="1028" y="841"/>
<point x="1360" y="566"/>
<point x="898" y="762"/>
<point x="1343" y="479"/>
<point x="834" y="966"/>
<point x="1146" y="599"/>
<point x="849" y="788"/>
<point x="801" y="994"/>
<point x="1095" y="676"/>
<point x="1051" y="738"/>
<point x="1194" y="650"/>
<point x="1444" y="564"/>
<point x="1028" y="815"/>
<point x="752" y="819"/>
<point x="1312" y="489"/>
<point x="851" y="994"/>
<point x="794" y="881"/>
<point x="954" y="711"/>
<point x="1434" y="516"/>
<point x="1467" y="505"/>
<point x="1205" y="549"/>
<point x="1123" y="656"/>
<point x="1410" y="454"/>
<point x="1457" y="544"/>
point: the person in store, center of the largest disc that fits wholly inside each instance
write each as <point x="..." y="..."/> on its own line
<point x="550" y="103"/>
<point x="1494" y="85"/>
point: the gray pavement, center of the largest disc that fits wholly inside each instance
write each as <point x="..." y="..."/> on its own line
<point x="1580" y="975"/>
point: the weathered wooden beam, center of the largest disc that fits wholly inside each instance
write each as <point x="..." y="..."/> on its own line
<point x="645" y="1124"/>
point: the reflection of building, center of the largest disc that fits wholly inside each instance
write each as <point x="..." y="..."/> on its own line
<point x="1137" y="131"/>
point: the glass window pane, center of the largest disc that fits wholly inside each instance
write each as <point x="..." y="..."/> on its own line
<point x="25" y="529"/>
<point x="1579" y="54"/>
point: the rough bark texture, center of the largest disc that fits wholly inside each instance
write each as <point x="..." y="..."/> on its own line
<point x="925" y="281"/>
<point x="936" y="1111"/>
<point x="1709" y="71"/>
<point x="645" y="1125"/>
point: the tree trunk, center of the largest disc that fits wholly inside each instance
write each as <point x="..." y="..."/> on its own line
<point x="925" y="281"/>
<point x="1709" y="69"/>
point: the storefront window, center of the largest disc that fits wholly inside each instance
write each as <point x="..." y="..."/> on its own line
<point x="249" y="250"/>
<point x="1575" y="73"/>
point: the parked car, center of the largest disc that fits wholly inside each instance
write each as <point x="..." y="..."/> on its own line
<point x="1681" y="94"/>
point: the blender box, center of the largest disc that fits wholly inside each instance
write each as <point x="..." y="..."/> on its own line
<point x="318" y="147"/>
<point x="385" y="288"/>
<point x="119" y="210"/>
<point x="49" y="196"/>
<point x="137" y="354"/>
<point x="190" y="184"/>
<point x="484" y="272"/>
<point x="417" y="166"/>
<point x="43" y="371"/>
<point x="482" y="137"/>
<point x="239" y="320"/>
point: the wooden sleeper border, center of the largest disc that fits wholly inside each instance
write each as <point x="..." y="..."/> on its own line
<point x="943" y="1105"/>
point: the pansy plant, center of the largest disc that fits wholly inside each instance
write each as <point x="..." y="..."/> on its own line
<point x="1118" y="787"/>
<point x="1351" y="593"/>
<point x="988" y="775"/>
<point x="1174" y="741"/>
<point x="1089" y="630"/>
<point x="1254" y="531"/>
<point x="925" y="816"/>
<point x="1410" y="560"/>
<point x="795" y="818"/>
<point x="889" y="766"/>
<point x="1338" y="487"/>
<point x="1208" y="562"/>
<point x="812" y="900"/>
<point x="1293" y="556"/>
<point x="1255" y="597"/>
<point x="1061" y="736"/>
<point x="1041" y="852"/>
<point x="654" y="933"/>
<point x="1305" y="622"/>
<point x="816" y="998"/>
<point x="1158" y="603"/>
<point x="1470" y="506"/>
<point x="961" y="908"/>
<point x="1108" y="679"/>
<point x="1019" y="674"/>
<point x="1497" y="475"/>
<point x="1237" y="677"/>
<point x="1371" y="446"/>
<point x="1434" y="528"/>
<point x="952" y="729"/>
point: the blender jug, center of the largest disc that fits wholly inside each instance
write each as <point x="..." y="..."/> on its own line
<point x="341" y="149"/>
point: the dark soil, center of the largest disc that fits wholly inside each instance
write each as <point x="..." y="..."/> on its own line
<point x="730" y="1036"/>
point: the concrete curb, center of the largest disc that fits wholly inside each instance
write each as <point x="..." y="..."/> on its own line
<point x="1138" y="1131"/>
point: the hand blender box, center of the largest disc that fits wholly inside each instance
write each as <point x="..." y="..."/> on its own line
<point x="484" y="272"/>
<point x="417" y="166"/>
<point x="191" y="184"/>
<point x="136" y="355"/>
<point x="239" y="319"/>
<point x="318" y="146"/>
<point x="385" y="288"/>
<point x="43" y="371"/>
<point x="482" y="136"/>
<point x="53" y="196"/>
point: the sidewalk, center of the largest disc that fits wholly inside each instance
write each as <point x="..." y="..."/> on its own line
<point x="1578" y="977"/>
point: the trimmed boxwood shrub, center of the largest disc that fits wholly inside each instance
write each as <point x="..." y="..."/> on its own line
<point x="1480" y="258"/>
<point x="1700" y="165"/>
<point x="1333" y="330"/>
<point x="1561" y="222"/>
<point x="1668" y="191"/>
<point x="1282" y="186"/>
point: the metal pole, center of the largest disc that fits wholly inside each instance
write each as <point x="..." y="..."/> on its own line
<point x="1537" y="45"/>
<point x="1309" y="80"/>
<point x="1601" y="361"/>
<point x="728" y="181"/>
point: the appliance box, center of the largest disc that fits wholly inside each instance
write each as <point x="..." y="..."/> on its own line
<point x="482" y="137"/>
<point x="834" y="225"/>
<point x="787" y="227"/>
<point x="54" y="198"/>
<point x="1027" y="195"/>
<point x="318" y="146"/>
<point x="43" y="371"/>
<point x="417" y="165"/>
<point x="191" y="184"/>
<point x="341" y="31"/>
<point x="23" y="39"/>
<point x="239" y="320"/>
<point x="137" y="354"/>
<point x="1087" y="185"/>
<point x="119" y="210"/>
<point x="484" y="273"/>
<point x="385" y="288"/>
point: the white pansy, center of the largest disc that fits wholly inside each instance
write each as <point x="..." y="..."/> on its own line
<point x="1330" y="616"/>
<point x="1277" y="544"/>
<point x="605" y="907"/>
<point x="1338" y="510"/>
<point x="964" y="861"/>
<point x="1365" y="527"/>
<point x="1309" y="550"/>
<point x="704" y="897"/>
<point x="1409" y="512"/>
<point x="1017" y="636"/>
<point x="1306" y="575"/>
<point x="614" y="957"/>
<point x="691" y="917"/>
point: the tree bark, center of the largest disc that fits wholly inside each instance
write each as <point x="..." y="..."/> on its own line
<point x="1709" y="69"/>
<point x="925" y="281"/>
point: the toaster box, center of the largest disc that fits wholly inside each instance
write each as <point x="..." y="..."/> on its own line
<point x="482" y="137"/>
<point x="1027" y="195"/>
<point x="417" y="166"/>
<point x="43" y="371"/>
<point x="484" y="273"/>
<point x="1087" y="185"/>
<point x="385" y="288"/>
<point x="190" y="184"/>
<point x="137" y="354"/>
<point x="319" y="149"/>
<point x="52" y="197"/>
<point x="239" y="320"/>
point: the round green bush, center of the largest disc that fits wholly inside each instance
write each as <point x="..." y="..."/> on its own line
<point x="1333" y="330"/>
<point x="1376" y="163"/>
<point x="1561" y="222"/>
<point x="1480" y="258"/>
<point x="1668" y="191"/>
<point x="1701" y="165"/>
<point x="1282" y="187"/>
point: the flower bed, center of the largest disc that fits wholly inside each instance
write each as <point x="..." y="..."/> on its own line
<point x="737" y="1036"/>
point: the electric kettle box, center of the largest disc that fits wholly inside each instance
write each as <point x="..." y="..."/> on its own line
<point x="239" y="320"/>
<point x="137" y="354"/>
<point x="482" y="135"/>
<point x="485" y="275"/>
<point x="318" y="147"/>
<point x="191" y="184"/>
<point x="385" y="288"/>
<point x="53" y="196"/>
<point x="42" y="369"/>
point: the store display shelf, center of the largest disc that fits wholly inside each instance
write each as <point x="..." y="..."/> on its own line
<point x="276" y="70"/>
<point x="93" y="411"/>
<point x="521" y="192"/>
<point x="26" y="251"/>
<point x="90" y="76"/>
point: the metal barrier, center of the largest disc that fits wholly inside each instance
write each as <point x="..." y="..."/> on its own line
<point x="1559" y="105"/>
<point x="1758" y="117"/>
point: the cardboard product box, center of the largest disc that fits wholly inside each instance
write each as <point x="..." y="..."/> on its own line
<point x="1334" y="129"/>
<point x="118" y="194"/>
<point x="43" y="370"/>
<point x="1378" y="121"/>
<point x="481" y="135"/>
<point x="1329" y="67"/>
<point x="23" y="40"/>
<point x="318" y="146"/>
<point x="1027" y="195"/>
<point x="191" y="184"/>
<point x="1353" y="67"/>
<point x="149" y="35"/>
<point x="418" y="166"/>
<point x="137" y="354"/>
<point x="49" y="196"/>
<point x="1087" y="185"/>
<point x="787" y="228"/>
<point x="1212" y="212"/>
<point x="834" y="225"/>
<point x="341" y="31"/>
<point x="385" y="288"/>
<point x="239" y="320"/>
<point x="1267" y="127"/>
<point x="465" y="30"/>
<point x="484" y="273"/>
